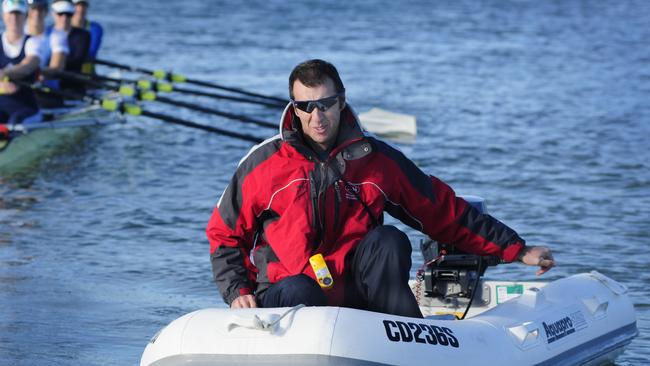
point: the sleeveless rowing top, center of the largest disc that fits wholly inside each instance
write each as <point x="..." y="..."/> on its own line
<point x="23" y="95"/>
<point x="79" y="44"/>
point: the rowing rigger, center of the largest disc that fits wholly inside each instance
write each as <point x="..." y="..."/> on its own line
<point x="29" y="127"/>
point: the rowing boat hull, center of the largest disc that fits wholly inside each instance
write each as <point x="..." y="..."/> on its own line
<point x="29" y="149"/>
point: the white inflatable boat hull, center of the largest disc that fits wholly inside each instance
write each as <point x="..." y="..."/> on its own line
<point x="585" y="319"/>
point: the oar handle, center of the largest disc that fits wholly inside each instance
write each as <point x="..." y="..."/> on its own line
<point x="80" y="78"/>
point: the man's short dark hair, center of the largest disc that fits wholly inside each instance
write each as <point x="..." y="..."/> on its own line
<point x="312" y="73"/>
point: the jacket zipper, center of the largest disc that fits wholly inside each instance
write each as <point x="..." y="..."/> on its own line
<point x="322" y="190"/>
<point x="314" y="208"/>
<point x="337" y="205"/>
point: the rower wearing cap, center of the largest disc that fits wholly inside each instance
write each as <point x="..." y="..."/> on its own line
<point x="78" y="39"/>
<point x="52" y="43"/>
<point x="49" y="44"/>
<point x="78" y="43"/>
<point x="80" y="20"/>
<point x="19" y="61"/>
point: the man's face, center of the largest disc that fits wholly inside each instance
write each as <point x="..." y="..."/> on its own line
<point x="320" y="127"/>
<point x="14" y="20"/>
<point x="62" y="21"/>
<point x="81" y="9"/>
<point x="36" y="15"/>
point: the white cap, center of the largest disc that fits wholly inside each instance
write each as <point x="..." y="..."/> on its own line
<point x="14" y="5"/>
<point x="80" y="1"/>
<point x="62" y="6"/>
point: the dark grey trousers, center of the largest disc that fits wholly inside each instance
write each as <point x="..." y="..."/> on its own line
<point x="377" y="280"/>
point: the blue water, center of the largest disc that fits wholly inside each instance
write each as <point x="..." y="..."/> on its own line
<point x="541" y="107"/>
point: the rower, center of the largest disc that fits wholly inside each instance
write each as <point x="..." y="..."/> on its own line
<point x="80" y="20"/>
<point x="78" y="43"/>
<point x="54" y="43"/>
<point x="78" y="39"/>
<point x="19" y="61"/>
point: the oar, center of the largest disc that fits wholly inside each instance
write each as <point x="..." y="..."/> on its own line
<point x="151" y="96"/>
<point x="163" y="75"/>
<point x="186" y="123"/>
<point x="200" y="93"/>
<point x="390" y="125"/>
<point x="237" y="117"/>
<point x="25" y="128"/>
<point x="161" y="86"/>
<point x="393" y="126"/>
<point x="132" y="109"/>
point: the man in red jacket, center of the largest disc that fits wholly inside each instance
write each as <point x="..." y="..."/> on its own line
<point x="321" y="187"/>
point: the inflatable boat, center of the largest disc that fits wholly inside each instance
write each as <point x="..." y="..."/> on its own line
<point x="584" y="319"/>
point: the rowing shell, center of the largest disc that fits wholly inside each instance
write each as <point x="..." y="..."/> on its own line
<point x="34" y="141"/>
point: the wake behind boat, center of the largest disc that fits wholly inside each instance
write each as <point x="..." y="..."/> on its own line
<point x="585" y="319"/>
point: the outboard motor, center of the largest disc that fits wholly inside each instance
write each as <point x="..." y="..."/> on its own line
<point x="450" y="273"/>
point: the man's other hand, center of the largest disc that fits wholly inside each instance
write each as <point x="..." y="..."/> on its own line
<point x="244" y="301"/>
<point x="538" y="256"/>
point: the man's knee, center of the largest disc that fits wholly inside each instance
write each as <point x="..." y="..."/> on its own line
<point x="388" y="238"/>
<point x="294" y="290"/>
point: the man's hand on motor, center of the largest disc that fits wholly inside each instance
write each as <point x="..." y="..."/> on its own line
<point x="538" y="256"/>
<point x="244" y="301"/>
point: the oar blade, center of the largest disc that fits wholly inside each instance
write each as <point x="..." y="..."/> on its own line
<point x="390" y="125"/>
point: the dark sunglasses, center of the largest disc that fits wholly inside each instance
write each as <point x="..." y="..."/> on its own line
<point x="322" y="104"/>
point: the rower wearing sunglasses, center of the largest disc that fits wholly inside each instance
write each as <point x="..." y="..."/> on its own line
<point x="301" y="221"/>
<point x="80" y="20"/>
<point x="78" y="41"/>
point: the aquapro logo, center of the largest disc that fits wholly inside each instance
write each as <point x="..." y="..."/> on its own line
<point x="558" y="329"/>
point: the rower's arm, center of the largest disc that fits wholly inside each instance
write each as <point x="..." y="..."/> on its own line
<point x="60" y="50"/>
<point x="28" y="66"/>
<point x="57" y="61"/>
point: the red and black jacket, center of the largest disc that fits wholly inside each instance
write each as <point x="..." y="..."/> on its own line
<point x="284" y="205"/>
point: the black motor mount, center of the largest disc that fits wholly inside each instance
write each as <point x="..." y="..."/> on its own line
<point x="451" y="273"/>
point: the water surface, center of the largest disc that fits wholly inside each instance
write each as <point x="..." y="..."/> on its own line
<point x="540" y="107"/>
